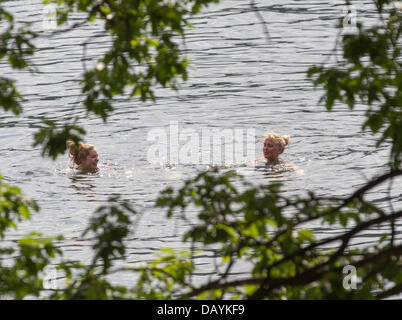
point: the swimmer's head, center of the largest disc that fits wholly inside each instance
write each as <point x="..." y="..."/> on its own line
<point x="274" y="144"/>
<point x="84" y="155"/>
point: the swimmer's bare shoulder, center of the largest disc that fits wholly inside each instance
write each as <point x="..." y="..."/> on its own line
<point x="295" y="168"/>
<point x="287" y="163"/>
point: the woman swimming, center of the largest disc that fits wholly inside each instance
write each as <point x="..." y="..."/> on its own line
<point x="274" y="145"/>
<point x="84" y="156"/>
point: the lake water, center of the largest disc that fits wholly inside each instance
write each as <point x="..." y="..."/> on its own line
<point x="237" y="81"/>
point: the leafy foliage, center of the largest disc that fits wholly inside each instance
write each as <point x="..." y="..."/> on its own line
<point x="16" y="46"/>
<point x="53" y="138"/>
<point x="370" y="73"/>
<point x="261" y="226"/>
<point x="33" y="252"/>
<point x="110" y="226"/>
<point x="13" y="207"/>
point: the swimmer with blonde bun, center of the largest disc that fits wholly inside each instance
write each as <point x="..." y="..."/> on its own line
<point x="274" y="145"/>
<point x="84" y="156"/>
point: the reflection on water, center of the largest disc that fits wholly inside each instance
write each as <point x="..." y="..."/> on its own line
<point x="81" y="182"/>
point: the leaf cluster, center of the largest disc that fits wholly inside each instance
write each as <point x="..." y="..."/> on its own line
<point x="370" y="74"/>
<point x="261" y="226"/>
<point x="16" y="47"/>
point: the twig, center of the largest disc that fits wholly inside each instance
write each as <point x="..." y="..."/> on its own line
<point x="261" y="18"/>
<point x="390" y="292"/>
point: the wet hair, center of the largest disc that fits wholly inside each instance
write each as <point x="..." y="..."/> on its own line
<point x="80" y="152"/>
<point x="278" y="139"/>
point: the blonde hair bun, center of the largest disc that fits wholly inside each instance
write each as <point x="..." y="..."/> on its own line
<point x="283" y="141"/>
<point x="286" y="139"/>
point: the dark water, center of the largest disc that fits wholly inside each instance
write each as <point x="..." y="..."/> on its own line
<point x="237" y="81"/>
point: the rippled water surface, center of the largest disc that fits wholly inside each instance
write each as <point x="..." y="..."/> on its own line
<point x="237" y="80"/>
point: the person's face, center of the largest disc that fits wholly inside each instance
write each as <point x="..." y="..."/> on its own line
<point x="91" y="161"/>
<point x="271" y="150"/>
